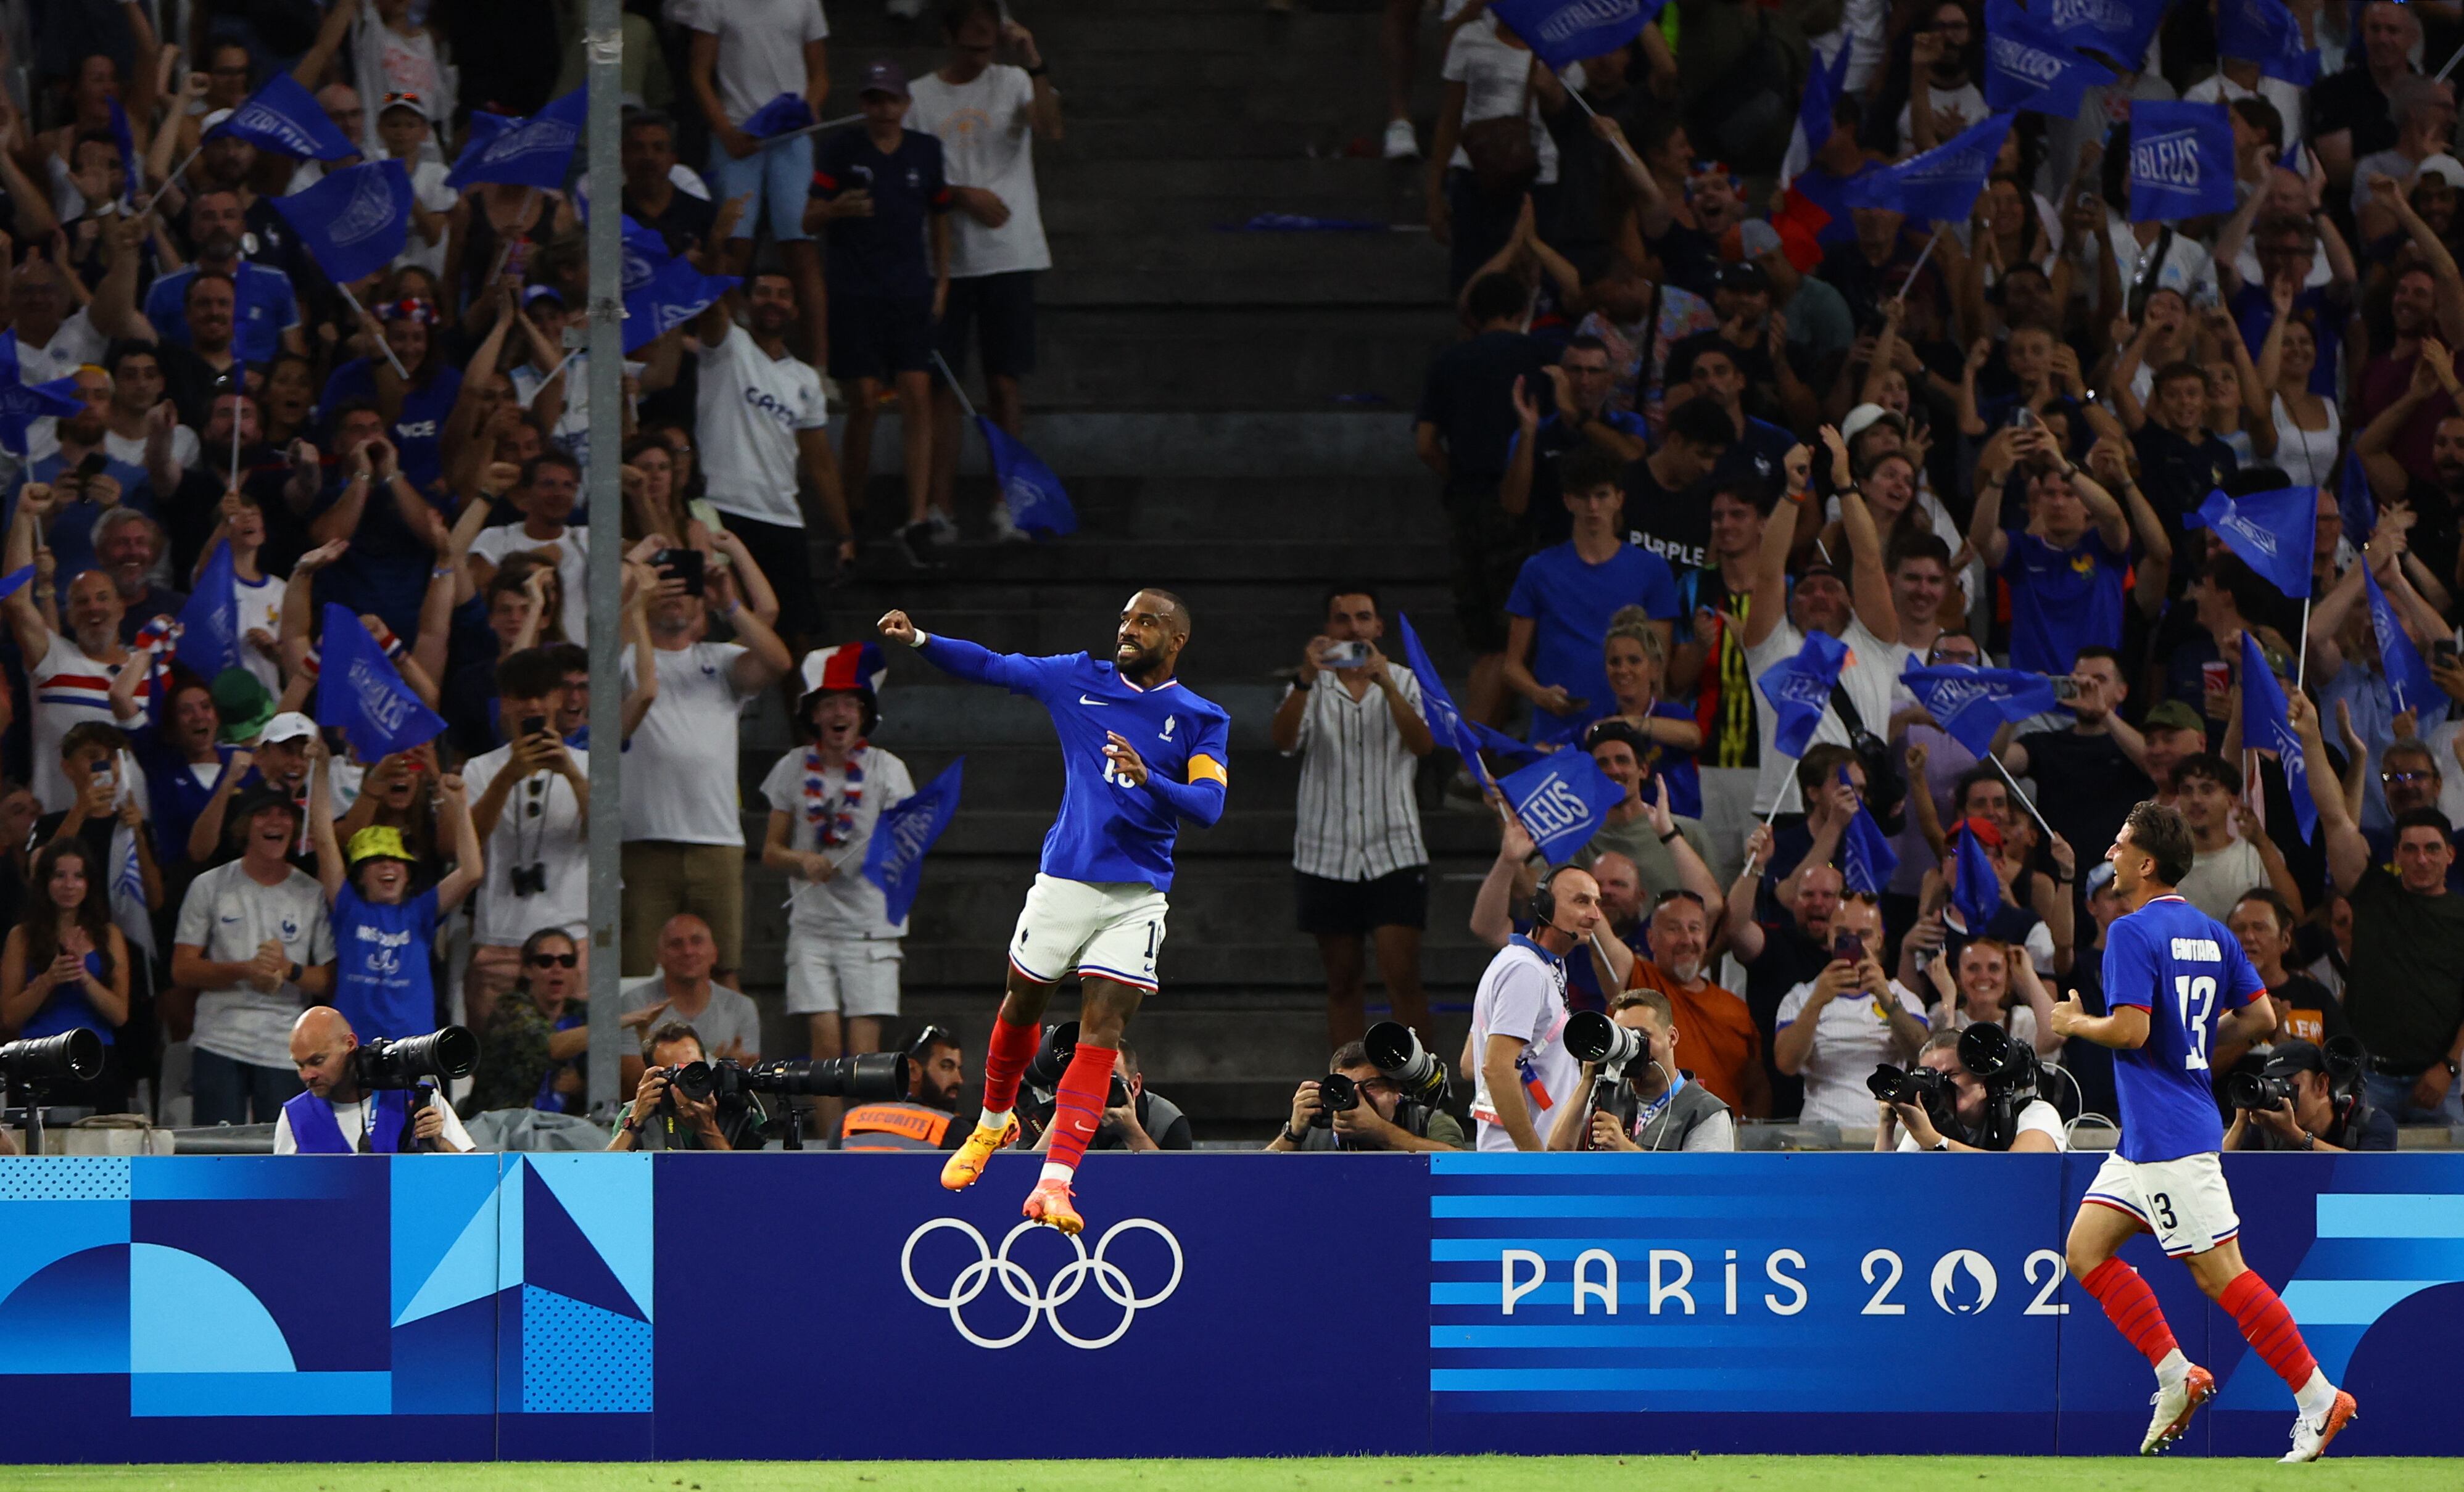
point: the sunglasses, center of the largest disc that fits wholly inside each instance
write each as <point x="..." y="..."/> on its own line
<point x="2405" y="777"/>
<point x="555" y="960"/>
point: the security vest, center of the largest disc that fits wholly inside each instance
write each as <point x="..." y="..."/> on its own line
<point x="893" y="1127"/>
<point x="313" y="1129"/>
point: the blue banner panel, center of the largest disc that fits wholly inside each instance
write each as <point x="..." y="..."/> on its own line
<point x="901" y="1305"/>
<point x="1758" y="1302"/>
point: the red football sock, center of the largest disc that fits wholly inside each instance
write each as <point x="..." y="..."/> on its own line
<point x="1006" y="1058"/>
<point x="2268" y="1327"/>
<point x="1079" y="1105"/>
<point x="2131" y="1305"/>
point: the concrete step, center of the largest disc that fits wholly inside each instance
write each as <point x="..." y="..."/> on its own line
<point x="1238" y="357"/>
<point x="1209" y="269"/>
<point x="1211" y="443"/>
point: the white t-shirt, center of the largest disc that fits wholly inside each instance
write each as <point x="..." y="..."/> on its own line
<point x="230" y="915"/>
<point x="572" y="566"/>
<point x="2217" y="88"/>
<point x="427" y="186"/>
<point x="1869" y="675"/>
<point x="846" y="905"/>
<point x="572" y="432"/>
<point x="75" y="343"/>
<point x="551" y="837"/>
<point x="2218" y="878"/>
<point x="352" y="1120"/>
<point x="747" y="411"/>
<point x="1851" y="1037"/>
<point x="987" y="140"/>
<point x="1522" y="995"/>
<point x="1966" y="101"/>
<point x="2035" y="1117"/>
<point x="1497" y="81"/>
<point x="260" y="605"/>
<point x="680" y="765"/>
<point x="760" y="46"/>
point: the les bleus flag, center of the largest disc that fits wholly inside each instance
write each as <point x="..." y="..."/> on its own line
<point x="1975" y="887"/>
<point x="1799" y="689"/>
<point x="1867" y="860"/>
<point x="1971" y="704"/>
<point x="22" y="404"/>
<point x="893" y="859"/>
<point x="2409" y="686"/>
<point x="209" y="637"/>
<point x="1562" y="32"/>
<point x="784" y="115"/>
<point x="285" y="117"/>
<point x="536" y="151"/>
<point x="2118" y="29"/>
<point x="2181" y="160"/>
<point x="2265" y="33"/>
<point x="1563" y="799"/>
<point x="1941" y="185"/>
<point x="2353" y="499"/>
<point x="2273" y="532"/>
<point x="1036" y="500"/>
<point x="2265" y="728"/>
<point x="360" y="689"/>
<point x="353" y="222"/>
<point x="1824" y="82"/>
<point x="2028" y="66"/>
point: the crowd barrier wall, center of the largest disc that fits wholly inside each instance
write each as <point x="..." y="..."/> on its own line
<point x="616" y="1308"/>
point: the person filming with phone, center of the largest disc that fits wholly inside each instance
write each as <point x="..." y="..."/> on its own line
<point x="1835" y="1029"/>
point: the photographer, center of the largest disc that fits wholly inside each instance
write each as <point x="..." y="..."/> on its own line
<point x="1136" y="1117"/>
<point x="2298" y="1103"/>
<point x="336" y="1117"/>
<point x="1966" y="1104"/>
<point x="1379" y="1118"/>
<point x="1658" y="1106"/>
<point x="665" y="1117"/>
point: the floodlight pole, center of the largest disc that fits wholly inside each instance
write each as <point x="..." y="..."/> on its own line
<point x="604" y="44"/>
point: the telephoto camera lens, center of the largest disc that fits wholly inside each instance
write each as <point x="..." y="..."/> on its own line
<point x="2256" y="1090"/>
<point x="1406" y="1064"/>
<point x="1986" y="1050"/>
<point x="1052" y="1059"/>
<point x="694" y="1080"/>
<point x="70" y="1057"/>
<point x="451" y="1052"/>
<point x="1883" y="1083"/>
<point x="868" y="1077"/>
<point x="1592" y="1036"/>
<point x="1336" y="1094"/>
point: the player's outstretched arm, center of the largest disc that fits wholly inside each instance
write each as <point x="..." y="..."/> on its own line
<point x="2123" y="1030"/>
<point x="966" y="660"/>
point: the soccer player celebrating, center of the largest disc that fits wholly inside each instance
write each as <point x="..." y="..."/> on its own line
<point x="2178" y="985"/>
<point x="1139" y="754"/>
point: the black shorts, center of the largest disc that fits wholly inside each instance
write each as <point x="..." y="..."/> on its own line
<point x="1487" y="544"/>
<point x="1397" y="899"/>
<point x="998" y="309"/>
<point x="785" y="556"/>
<point x="876" y="337"/>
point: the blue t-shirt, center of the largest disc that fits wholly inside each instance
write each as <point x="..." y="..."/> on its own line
<point x="418" y="433"/>
<point x="173" y="789"/>
<point x="68" y="1009"/>
<point x="1570" y="601"/>
<point x="2183" y="968"/>
<point x="266" y="306"/>
<point x="883" y="256"/>
<point x="1108" y="831"/>
<point x="381" y="982"/>
<point x="2062" y="600"/>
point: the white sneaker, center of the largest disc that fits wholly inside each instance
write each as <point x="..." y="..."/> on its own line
<point x="2175" y="1403"/>
<point x="2309" y="1440"/>
<point x="1401" y="143"/>
<point x="945" y="531"/>
<point x="1006" y="531"/>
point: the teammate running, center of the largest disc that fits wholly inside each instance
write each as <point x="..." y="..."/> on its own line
<point x="1139" y="754"/>
<point x="2171" y="976"/>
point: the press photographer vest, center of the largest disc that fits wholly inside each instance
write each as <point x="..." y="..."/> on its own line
<point x="893" y="1127"/>
<point x="313" y="1129"/>
<point x="1668" y="1129"/>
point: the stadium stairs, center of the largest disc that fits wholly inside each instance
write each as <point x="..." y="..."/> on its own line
<point x="1231" y="412"/>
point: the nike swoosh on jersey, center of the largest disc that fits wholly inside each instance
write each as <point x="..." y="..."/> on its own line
<point x="1085" y="699"/>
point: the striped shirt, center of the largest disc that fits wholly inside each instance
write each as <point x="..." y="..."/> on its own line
<point x="1357" y="818"/>
<point x="69" y="688"/>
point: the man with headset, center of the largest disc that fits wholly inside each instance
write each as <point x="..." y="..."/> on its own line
<point x="921" y="1120"/>
<point x="1659" y="1107"/>
<point x="1520" y="1067"/>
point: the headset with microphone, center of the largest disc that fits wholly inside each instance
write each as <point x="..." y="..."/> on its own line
<point x="1543" y="902"/>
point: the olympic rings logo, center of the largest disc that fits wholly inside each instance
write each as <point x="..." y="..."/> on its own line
<point x="1021" y="1286"/>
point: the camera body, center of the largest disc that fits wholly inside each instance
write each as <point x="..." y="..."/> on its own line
<point x="408" y="1061"/>
<point x="1923" y="1087"/>
<point x="530" y="880"/>
<point x="2256" y="1090"/>
<point x="1336" y="1094"/>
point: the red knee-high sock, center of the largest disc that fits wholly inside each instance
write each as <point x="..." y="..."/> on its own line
<point x="2268" y="1327"/>
<point x="1079" y="1105"/>
<point x="2132" y="1308"/>
<point x="1006" y="1058"/>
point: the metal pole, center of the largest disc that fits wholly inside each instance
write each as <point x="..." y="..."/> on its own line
<point x="603" y="44"/>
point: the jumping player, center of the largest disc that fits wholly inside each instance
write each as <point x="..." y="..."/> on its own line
<point x="2178" y="985"/>
<point x="1139" y="754"/>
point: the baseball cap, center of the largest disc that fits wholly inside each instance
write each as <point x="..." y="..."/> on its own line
<point x="1861" y="419"/>
<point x="404" y="100"/>
<point x="244" y="703"/>
<point x="2172" y="714"/>
<point x="215" y="118"/>
<point x="1744" y="274"/>
<point x="1755" y="238"/>
<point x="378" y="842"/>
<point x="539" y="292"/>
<point x="288" y="726"/>
<point x="2446" y="168"/>
<point x="2295" y="1055"/>
<point x="881" y="75"/>
<point x="2100" y="876"/>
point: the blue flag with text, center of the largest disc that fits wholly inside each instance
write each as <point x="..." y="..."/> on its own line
<point x="2265" y="728"/>
<point x="360" y="689"/>
<point x="2273" y="532"/>
<point x="1799" y="690"/>
<point x="893" y="859"/>
<point x="2181" y="160"/>
<point x="1563" y="799"/>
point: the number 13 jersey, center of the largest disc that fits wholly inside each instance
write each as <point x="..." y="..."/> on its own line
<point x="2183" y="968"/>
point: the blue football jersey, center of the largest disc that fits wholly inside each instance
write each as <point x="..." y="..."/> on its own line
<point x="2188" y="972"/>
<point x="1108" y="830"/>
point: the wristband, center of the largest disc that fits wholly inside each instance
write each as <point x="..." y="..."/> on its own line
<point x="1302" y="684"/>
<point x="920" y="638"/>
<point x="1672" y="833"/>
<point x="733" y="607"/>
<point x="1038" y="70"/>
<point x="1289" y="1138"/>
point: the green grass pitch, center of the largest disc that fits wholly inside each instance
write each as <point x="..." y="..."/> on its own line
<point x="1326" y="1474"/>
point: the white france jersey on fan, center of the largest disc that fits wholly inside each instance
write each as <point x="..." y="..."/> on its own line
<point x="748" y="409"/>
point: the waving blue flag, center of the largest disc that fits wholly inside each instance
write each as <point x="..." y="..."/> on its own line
<point x="1941" y="185"/>
<point x="2265" y="33"/>
<point x="1438" y="707"/>
<point x="2265" y="728"/>
<point x="285" y="117"/>
<point x="1824" y="82"/>
<point x="353" y="222"/>
<point x="2353" y="499"/>
<point x="1975" y="888"/>
<point x="1563" y="799"/>
<point x="532" y="152"/>
<point x="1562" y="32"/>
<point x="2409" y="686"/>
<point x="2273" y="532"/>
<point x="893" y="858"/>
<point x="22" y="404"/>
<point x="675" y="294"/>
<point x="2028" y="66"/>
<point x="1868" y="861"/>
<point x="2119" y="29"/>
<point x="1799" y="689"/>
<point x="360" y="689"/>
<point x="784" y="115"/>
<point x="1970" y="703"/>
<point x="2181" y="160"/>
<point x="1036" y="501"/>
<point x="210" y="636"/>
